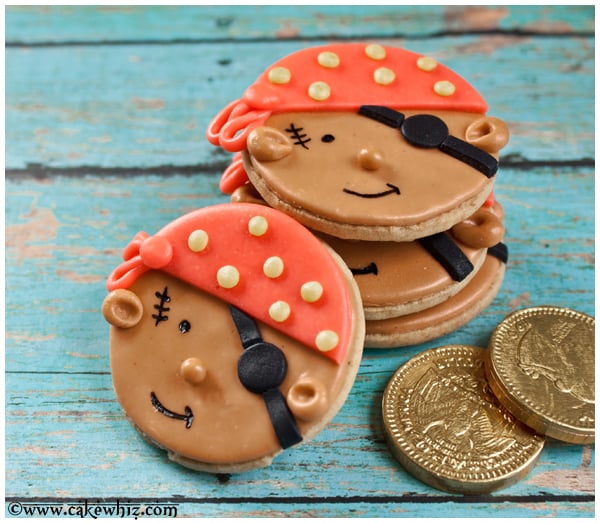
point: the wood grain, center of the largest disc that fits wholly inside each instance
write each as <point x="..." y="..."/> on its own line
<point x="106" y="109"/>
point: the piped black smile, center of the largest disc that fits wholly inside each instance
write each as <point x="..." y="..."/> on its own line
<point x="188" y="417"/>
<point x="392" y="190"/>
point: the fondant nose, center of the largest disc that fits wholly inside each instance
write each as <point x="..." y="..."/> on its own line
<point x="369" y="159"/>
<point x="193" y="371"/>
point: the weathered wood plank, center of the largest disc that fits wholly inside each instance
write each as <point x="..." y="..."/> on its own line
<point x="148" y="106"/>
<point x="72" y="424"/>
<point x="47" y="24"/>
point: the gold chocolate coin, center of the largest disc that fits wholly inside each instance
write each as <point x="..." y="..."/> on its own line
<point x="443" y="424"/>
<point x="541" y="368"/>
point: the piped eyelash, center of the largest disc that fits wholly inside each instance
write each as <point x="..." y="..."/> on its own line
<point x="161" y="309"/>
<point x="301" y="139"/>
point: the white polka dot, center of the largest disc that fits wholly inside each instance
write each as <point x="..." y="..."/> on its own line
<point x="280" y="311"/>
<point x="327" y="340"/>
<point x="384" y="76"/>
<point x="228" y="276"/>
<point x="258" y="225"/>
<point x="319" y="91"/>
<point x="273" y="267"/>
<point x="198" y="240"/>
<point x="279" y="75"/>
<point x="426" y="63"/>
<point x="311" y="291"/>
<point x="444" y="88"/>
<point x="375" y="52"/>
<point x="328" y="60"/>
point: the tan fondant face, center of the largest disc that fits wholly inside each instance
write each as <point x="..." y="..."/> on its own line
<point x="351" y="169"/>
<point x="176" y="378"/>
<point x="443" y="318"/>
<point x="397" y="278"/>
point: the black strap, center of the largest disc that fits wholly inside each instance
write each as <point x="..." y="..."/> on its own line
<point x="429" y="131"/>
<point x="465" y="152"/>
<point x="383" y="115"/>
<point x="246" y="327"/>
<point x="261" y="369"/>
<point x="500" y="251"/>
<point x="448" y="254"/>
<point x="282" y="420"/>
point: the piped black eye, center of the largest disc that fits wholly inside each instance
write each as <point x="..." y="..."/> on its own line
<point x="327" y="138"/>
<point x="184" y="326"/>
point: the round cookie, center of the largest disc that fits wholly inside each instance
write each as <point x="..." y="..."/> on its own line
<point x="235" y="333"/>
<point x="406" y="152"/>
<point x="445" y="317"/>
<point x="399" y="278"/>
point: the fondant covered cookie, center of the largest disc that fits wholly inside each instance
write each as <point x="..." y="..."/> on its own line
<point x="235" y="334"/>
<point x="362" y="141"/>
<point x="399" y="278"/>
<point x="447" y="316"/>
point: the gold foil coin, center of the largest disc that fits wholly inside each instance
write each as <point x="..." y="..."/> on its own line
<point x="541" y="367"/>
<point x="444" y="425"/>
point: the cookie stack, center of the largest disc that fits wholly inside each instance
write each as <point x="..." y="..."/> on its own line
<point x="390" y="158"/>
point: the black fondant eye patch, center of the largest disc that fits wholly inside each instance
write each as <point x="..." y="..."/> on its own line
<point x="430" y="132"/>
<point x="262" y="367"/>
<point x="327" y="138"/>
<point x="425" y="130"/>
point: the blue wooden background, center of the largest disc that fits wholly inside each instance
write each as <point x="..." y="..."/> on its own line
<point x="106" y="109"/>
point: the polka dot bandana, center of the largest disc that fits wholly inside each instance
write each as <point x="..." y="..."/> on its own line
<point x="345" y="76"/>
<point x="257" y="259"/>
<point x="342" y="77"/>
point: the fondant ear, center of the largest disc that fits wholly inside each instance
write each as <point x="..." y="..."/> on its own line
<point x="488" y="133"/>
<point x="307" y="399"/>
<point x="267" y="144"/>
<point x="122" y="308"/>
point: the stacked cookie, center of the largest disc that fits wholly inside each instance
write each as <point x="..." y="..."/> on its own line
<point x="423" y="289"/>
<point x="390" y="158"/>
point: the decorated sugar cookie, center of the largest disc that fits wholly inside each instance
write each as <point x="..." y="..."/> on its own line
<point x="235" y="333"/>
<point x="399" y="278"/>
<point x="363" y="141"/>
<point x="447" y="316"/>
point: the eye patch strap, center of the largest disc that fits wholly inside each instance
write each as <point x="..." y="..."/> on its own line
<point x="383" y="115"/>
<point x="500" y="251"/>
<point x="448" y="254"/>
<point x="261" y="369"/>
<point x="428" y="131"/>
<point x="465" y="152"/>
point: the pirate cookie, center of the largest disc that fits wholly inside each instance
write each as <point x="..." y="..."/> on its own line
<point x="235" y="333"/>
<point x="363" y="142"/>
<point x="447" y="316"/>
<point x="399" y="278"/>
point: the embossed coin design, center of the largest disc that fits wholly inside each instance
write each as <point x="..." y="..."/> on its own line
<point x="444" y="425"/>
<point x="541" y="368"/>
